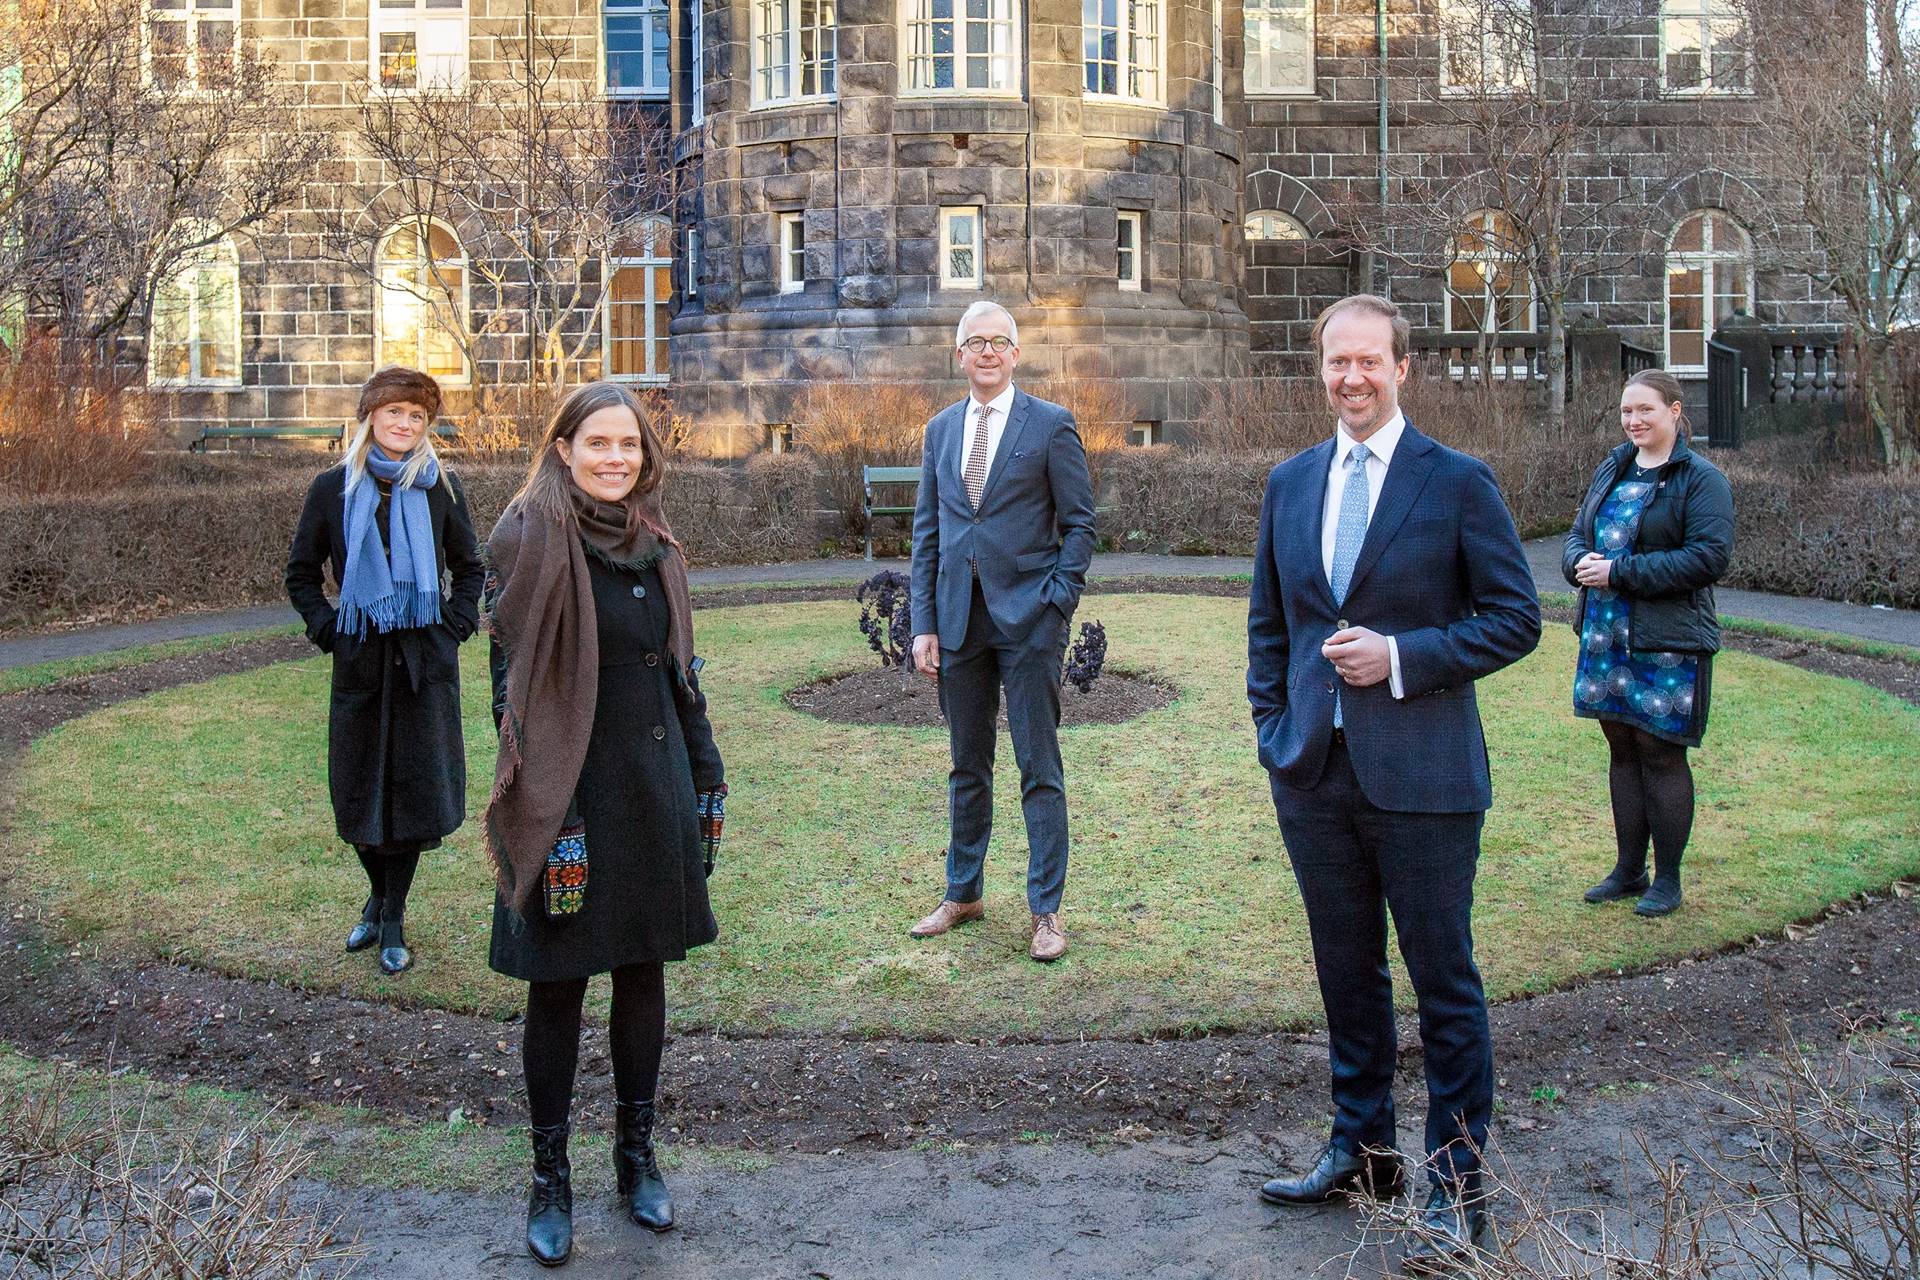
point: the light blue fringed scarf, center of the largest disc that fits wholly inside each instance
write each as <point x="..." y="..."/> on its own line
<point x="402" y="588"/>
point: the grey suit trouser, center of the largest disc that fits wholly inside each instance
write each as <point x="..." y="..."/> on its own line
<point x="970" y="681"/>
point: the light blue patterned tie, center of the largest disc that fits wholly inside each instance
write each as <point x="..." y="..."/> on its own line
<point x="1347" y="537"/>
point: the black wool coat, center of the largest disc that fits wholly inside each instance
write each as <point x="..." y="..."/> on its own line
<point x="1683" y="547"/>
<point x="396" y="761"/>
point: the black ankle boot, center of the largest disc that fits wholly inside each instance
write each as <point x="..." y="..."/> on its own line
<point x="550" y="1201"/>
<point x="367" y="932"/>
<point x="1621" y="882"/>
<point x="641" y="1189"/>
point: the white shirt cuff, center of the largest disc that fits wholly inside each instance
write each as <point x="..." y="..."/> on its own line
<point x="1394" y="682"/>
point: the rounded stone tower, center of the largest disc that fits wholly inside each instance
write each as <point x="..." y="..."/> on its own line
<point x="854" y="185"/>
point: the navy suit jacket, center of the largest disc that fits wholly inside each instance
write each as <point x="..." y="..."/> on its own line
<point x="1442" y="571"/>
<point x="1032" y="536"/>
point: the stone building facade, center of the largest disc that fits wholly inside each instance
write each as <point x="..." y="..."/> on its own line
<point x="1151" y="187"/>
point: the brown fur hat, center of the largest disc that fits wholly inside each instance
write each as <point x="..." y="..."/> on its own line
<point x="395" y="384"/>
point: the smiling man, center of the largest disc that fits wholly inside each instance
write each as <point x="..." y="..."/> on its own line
<point x="1002" y="537"/>
<point x="1387" y="580"/>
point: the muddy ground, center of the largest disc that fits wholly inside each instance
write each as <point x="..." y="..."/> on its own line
<point x="893" y="1158"/>
<point x="881" y="696"/>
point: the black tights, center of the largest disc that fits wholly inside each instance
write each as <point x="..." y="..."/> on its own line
<point x="636" y="1033"/>
<point x="1652" y="788"/>
<point x="389" y="869"/>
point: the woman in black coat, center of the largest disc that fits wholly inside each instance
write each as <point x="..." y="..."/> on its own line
<point x="1653" y="535"/>
<point x="391" y="522"/>
<point x="606" y="753"/>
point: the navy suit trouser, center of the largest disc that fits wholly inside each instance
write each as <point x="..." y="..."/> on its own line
<point x="1355" y="863"/>
<point x="970" y="681"/>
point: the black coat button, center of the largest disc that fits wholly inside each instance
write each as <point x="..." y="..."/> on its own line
<point x="659" y="732"/>
<point x="639" y="593"/>
<point x="653" y="659"/>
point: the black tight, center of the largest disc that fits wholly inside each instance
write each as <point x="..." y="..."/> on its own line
<point x="1651" y="784"/>
<point x="636" y="1032"/>
<point x="389" y="869"/>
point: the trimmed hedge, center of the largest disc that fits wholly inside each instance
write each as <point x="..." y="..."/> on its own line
<point x="224" y="543"/>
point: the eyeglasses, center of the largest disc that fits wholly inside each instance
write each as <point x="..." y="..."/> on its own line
<point x="999" y="342"/>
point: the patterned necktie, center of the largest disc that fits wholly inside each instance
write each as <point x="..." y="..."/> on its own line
<point x="1347" y="537"/>
<point x="975" y="475"/>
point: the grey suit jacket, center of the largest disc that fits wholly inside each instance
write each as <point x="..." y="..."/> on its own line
<point x="1031" y="539"/>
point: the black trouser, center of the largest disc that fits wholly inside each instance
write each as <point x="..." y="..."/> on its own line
<point x="1651" y="786"/>
<point x="389" y="869"/>
<point x="636" y="1034"/>
<point x="1355" y="863"/>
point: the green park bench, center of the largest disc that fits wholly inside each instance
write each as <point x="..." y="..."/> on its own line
<point x="871" y="476"/>
<point x="332" y="435"/>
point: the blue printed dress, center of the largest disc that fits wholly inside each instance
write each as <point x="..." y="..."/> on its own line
<point x="1662" y="693"/>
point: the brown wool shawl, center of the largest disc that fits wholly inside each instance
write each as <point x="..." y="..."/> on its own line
<point x="542" y="617"/>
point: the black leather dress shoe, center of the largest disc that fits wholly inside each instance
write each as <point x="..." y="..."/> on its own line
<point x="1454" y="1234"/>
<point x="1617" y="885"/>
<point x="367" y="932"/>
<point x="1340" y="1173"/>
<point x="396" y="959"/>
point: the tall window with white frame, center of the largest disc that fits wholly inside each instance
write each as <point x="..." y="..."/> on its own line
<point x="1489" y="289"/>
<point x="962" y="246"/>
<point x="792" y="247"/>
<point x="1709" y="277"/>
<point x="1706" y="48"/>
<point x="1217" y="68"/>
<point x="636" y="48"/>
<point x="418" y="44"/>
<point x="961" y="46"/>
<point x="696" y="61"/>
<point x="191" y="45"/>
<point x="193" y="334"/>
<point x="1486" y="47"/>
<point x="634" y="318"/>
<point x="794" y="51"/>
<point x="693" y="262"/>
<point x="1130" y="246"/>
<point x="1280" y="49"/>
<point x="1124" y="48"/>
<point x="420" y="308"/>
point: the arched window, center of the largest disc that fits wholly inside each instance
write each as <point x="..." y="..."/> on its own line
<point x="193" y="334"/>
<point x="1489" y="289"/>
<point x="421" y="305"/>
<point x="1709" y="276"/>
<point x="1271" y="224"/>
<point x="961" y="46"/>
<point x="634" y="318"/>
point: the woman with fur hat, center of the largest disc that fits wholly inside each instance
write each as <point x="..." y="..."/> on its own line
<point x="392" y="523"/>
<point x="607" y="795"/>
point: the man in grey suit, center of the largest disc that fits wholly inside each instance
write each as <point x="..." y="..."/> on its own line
<point x="1002" y="537"/>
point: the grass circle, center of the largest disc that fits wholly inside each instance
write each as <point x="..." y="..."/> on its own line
<point x="194" y="823"/>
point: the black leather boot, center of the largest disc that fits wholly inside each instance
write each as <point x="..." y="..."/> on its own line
<point x="641" y="1189"/>
<point x="367" y="932"/>
<point x="550" y="1201"/>
<point x="1621" y="882"/>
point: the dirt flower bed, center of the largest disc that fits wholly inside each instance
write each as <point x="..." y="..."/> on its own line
<point x="878" y="696"/>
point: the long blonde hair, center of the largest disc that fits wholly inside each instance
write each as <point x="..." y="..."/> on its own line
<point x="355" y="463"/>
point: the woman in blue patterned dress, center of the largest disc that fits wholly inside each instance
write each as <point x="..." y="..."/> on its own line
<point x="1653" y="535"/>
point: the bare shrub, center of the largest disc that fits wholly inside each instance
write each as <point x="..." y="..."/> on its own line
<point x="108" y="1192"/>
<point x="1837" y="534"/>
<point x="1262" y="415"/>
<point x="70" y="424"/>
<point x="847" y="427"/>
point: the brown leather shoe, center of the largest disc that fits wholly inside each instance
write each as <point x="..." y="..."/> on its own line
<point x="947" y="915"/>
<point x="1049" y="943"/>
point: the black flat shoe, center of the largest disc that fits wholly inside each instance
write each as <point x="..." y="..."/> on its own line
<point x="1617" y="886"/>
<point x="1662" y="899"/>
<point x="1454" y="1235"/>
<point x="1339" y="1173"/>
<point x="396" y="959"/>
<point x="367" y="932"/>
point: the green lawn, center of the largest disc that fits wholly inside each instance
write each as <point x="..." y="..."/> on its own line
<point x="195" y="823"/>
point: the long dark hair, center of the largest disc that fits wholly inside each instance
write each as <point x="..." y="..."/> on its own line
<point x="1667" y="387"/>
<point x="546" y="492"/>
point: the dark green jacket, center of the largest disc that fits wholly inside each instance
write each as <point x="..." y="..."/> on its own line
<point x="1683" y="547"/>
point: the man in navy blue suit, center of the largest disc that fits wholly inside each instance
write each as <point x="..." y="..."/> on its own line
<point x="1389" y="578"/>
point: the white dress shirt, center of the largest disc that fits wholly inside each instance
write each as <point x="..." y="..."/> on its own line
<point x="1380" y="447"/>
<point x="1002" y="405"/>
